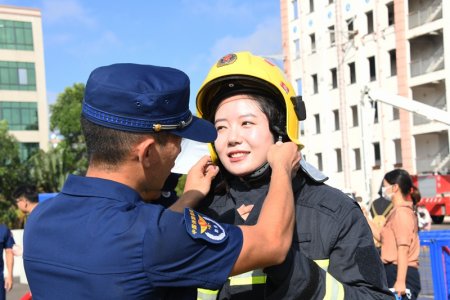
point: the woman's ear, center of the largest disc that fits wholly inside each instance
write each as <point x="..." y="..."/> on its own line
<point x="395" y="188"/>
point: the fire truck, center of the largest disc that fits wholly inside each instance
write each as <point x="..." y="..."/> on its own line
<point x="435" y="187"/>
<point x="435" y="192"/>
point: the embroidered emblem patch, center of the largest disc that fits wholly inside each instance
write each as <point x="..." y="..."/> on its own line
<point x="227" y="60"/>
<point x="202" y="227"/>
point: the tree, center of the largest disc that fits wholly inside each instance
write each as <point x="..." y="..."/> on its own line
<point x="12" y="173"/>
<point x="65" y="117"/>
<point x="48" y="170"/>
<point x="65" y="113"/>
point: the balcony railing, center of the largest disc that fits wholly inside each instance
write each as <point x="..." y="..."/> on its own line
<point x="429" y="64"/>
<point x="429" y="163"/>
<point x="426" y="14"/>
<point x="439" y="102"/>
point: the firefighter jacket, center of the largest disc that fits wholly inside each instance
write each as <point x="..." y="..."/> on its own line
<point x="332" y="254"/>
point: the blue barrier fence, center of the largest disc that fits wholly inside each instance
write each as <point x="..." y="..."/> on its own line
<point x="435" y="263"/>
<point x="44" y="196"/>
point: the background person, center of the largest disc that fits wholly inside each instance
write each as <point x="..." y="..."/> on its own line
<point x="100" y="238"/>
<point x="26" y="197"/>
<point x="423" y="216"/>
<point x="400" y="244"/>
<point x="379" y="209"/>
<point x="6" y="244"/>
<point x="332" y="256"/>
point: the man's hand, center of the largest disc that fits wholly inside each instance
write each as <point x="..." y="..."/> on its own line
<point x="200" y="176"/>
<point x="284" y="155"/>
<point x="8" y="283"/>
<point x="198" y="183"/>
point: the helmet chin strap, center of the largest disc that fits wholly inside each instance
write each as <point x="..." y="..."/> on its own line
<point x="258" y="173"/>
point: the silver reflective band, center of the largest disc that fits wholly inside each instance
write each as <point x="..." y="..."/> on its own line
<point x="180" y="125"/>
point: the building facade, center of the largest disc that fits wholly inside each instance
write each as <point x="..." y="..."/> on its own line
<point x="23" y="100"/>
<point x="336" y="49"/>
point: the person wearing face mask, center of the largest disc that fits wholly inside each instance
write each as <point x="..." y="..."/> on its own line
<point x="399" y="237"/>
<point x="332" y="255"/>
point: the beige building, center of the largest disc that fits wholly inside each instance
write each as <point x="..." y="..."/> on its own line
<point x="333" y="49"/>
<point x="23" y="100"/>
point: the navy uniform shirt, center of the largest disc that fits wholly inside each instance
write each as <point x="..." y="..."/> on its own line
<point x="6" y="242"/>
<point x="98" y="240"/>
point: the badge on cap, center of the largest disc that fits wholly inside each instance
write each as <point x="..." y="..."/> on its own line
<point x="202" y="227"/>
<point x="227" y="60"/>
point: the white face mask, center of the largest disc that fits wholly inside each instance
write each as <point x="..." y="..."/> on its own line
<point x="385" y="194"/>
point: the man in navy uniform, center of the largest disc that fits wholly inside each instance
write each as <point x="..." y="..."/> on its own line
<point x="6" y="244"/>
<point x="102" y="238"/>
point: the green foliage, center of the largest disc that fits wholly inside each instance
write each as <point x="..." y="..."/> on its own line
<point x="12" y="173"/>
<point x="65" y="113"/>
<point x="48" y="170"/>
<point x="65" y="117"/>
<point x="11" y="170"/>
<point x="180" y="186"/>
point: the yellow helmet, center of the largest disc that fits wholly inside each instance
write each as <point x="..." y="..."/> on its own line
<point x="243" y="72"/>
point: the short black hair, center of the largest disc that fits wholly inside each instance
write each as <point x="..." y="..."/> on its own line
<point x="107" y="146"/>
<point x="28" y="191"/>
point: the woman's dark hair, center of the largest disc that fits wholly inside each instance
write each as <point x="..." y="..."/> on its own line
<point x="109" y="147"/>
<point x="404" y="182"/>
<point x="415" y="195"/>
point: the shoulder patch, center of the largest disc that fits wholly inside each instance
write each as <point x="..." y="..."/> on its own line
<point x="202" y="227"/>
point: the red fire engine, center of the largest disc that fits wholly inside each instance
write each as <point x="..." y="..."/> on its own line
<point x="435" y="192"/>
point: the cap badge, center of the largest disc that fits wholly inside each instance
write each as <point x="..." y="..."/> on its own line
<point x="227" y="60"/>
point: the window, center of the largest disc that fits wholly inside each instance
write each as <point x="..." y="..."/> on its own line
<point x="319" y="161"/>
<point x="398" y="153"/>
<point x="311" y="6"/>
<point x="294" y="9"/>
<point x="16" y="35"/>
<point x="393" y="60"/>
<point x="350" y="26"/>
<point x="352" y="71"/>
<point x="297" y="48"/>
<point x="395" y="113"/>
<point x="377" y="154"/>
<point x="390" y="9"/>
<point x="313" y="42"/>
<point x="334" y="82"/>
<point x="27" y="149"/>
<point x="372" y="71"/>
<point x="317" y="121"/>
<point x="336" y="119"/>
<point x="17" y="76"/>
<point x="299" y="87"/>
<point x="315" y="84"/>
<point x="332" y="35"/>
<point x="338" y="159"/>
<point x="354" y="109"/>
<point x="369" y="16"/>
<point x="20" y="115"/>
<point x="375" y="117"/>
<point x="357" y="154"/>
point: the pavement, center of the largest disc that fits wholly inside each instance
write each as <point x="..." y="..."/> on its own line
<point x="19" y="289"/>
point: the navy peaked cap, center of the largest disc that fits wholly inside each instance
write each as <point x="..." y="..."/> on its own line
<point x="143" y="98"/>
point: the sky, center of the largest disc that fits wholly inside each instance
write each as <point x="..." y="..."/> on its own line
<point x="191" y="35"/>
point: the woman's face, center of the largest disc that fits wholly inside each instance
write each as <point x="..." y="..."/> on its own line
<point x="243" y="137"/>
